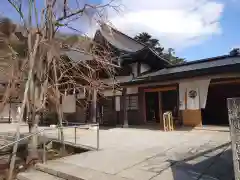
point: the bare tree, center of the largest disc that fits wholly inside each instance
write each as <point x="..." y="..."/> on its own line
<point x="42" y="65"/>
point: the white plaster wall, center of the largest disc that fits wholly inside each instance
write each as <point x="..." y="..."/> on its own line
<point x="110" y="92"/>
<point x="144" y="68"/>
<point x="4" y="114"/>
<point x="132" y="90"/>
<point x="134" y="69"/>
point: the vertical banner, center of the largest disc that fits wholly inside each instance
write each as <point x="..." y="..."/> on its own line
<point x="117" y="103"/>
<point x="69" y="104"/>
<point x="182" y="94"/>
<point x="203" y="91"/>
<point x="193" y="94"/>
<point x="193" y="98"/>
<point x="234" y="122"/>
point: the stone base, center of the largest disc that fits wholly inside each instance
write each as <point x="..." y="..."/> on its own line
<point x="125" y="126"/>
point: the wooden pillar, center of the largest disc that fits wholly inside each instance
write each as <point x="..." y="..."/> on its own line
<point x="94" y="106"/>
<point x="160" y="108"/>
<point x="10" y="110"/>
<point x="144" y="108"/>
<point x="125" y="118"/>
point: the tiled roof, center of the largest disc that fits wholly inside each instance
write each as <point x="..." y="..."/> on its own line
<point x="196" y="65"/>
<point x="195" y="68"/>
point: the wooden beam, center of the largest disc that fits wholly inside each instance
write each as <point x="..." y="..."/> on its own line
<point x="125" y="118"/>
<point x="232" y="81"/>
<point x="144" y="108"/>
<point x="160" y="109"/>
<point x="168" y="88"/>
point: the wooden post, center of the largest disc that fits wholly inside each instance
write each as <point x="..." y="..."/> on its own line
<point x="94" y="106"/>
<point x="160" y="108"/>
<point x="10" y="109"/>
<point x="144" y="107"/>
<point x="164" y="122"/>
<point x="125" y="118"/>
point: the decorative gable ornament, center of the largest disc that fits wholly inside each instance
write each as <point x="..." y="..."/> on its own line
<point x="192" y="94"/>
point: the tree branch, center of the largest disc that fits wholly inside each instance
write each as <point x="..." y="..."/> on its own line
<point x="80" y="11"/>
<point x="65" y="8"/>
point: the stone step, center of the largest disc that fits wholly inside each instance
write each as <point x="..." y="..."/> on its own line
<point x="36" y="175"/>
<point x="74" y="172"/>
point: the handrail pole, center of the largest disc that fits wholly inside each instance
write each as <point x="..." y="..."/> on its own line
<point x="98" y="137"/>
<point x="44" y="150"/>
<point x="75" y="132"/>
<point x="58" y="133"/>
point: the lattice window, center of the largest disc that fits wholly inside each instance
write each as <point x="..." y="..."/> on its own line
<point x="132" y="102"/>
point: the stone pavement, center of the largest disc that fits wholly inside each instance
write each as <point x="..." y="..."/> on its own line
<point x="143" y="154"/>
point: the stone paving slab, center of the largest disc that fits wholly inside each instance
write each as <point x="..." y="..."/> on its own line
<point x="155" y="154"/>
<point x="134" y="173"/>
<point x="137" y="153"/>
<point x="36" y="175"/>
<point x="74" y="172"/>
<point x="108" y="161"/>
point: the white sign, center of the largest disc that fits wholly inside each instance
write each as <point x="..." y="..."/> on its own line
<point x="117" y="103"/>
<point x="132" y="90"/>
<point x="193" y="94"/>
<point x="69" y="104"/>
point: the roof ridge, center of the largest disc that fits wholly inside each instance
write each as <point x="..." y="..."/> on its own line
<point x="145" y="46"/>
<point x="204" y="60"/>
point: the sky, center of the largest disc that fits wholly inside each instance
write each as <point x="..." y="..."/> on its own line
<point x="196" y="29"/>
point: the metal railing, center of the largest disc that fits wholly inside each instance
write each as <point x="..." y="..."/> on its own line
<point x="80" y="126"/>
<point x="86" y="126"/>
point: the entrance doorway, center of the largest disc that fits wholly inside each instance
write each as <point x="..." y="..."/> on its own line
<point x="169" y="101"/>
<point x="152" y="107"/>
<point x="215" y="112"/>
<point x="160" y="100"/>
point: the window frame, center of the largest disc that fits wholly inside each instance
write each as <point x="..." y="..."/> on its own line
<point x="132" y="102"/>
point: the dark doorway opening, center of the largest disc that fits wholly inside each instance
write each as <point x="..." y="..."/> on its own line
<point x="169" y="101"/>
<point x="152" y="107"/>
<point x="215" y="112"/>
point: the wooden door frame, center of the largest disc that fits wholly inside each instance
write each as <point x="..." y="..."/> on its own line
<point x="159" y="90"/>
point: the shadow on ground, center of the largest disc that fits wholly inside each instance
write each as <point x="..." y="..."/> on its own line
<point x="214" y="164"/>
<point x="155" y="127"/>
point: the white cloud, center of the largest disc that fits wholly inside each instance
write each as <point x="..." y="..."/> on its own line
<point x="176" y="23"/>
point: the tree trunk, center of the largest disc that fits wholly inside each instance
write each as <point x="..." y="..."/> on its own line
<point x="33" y="143"/>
